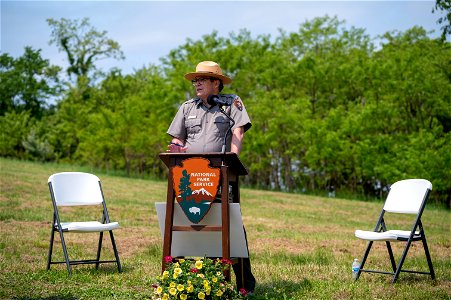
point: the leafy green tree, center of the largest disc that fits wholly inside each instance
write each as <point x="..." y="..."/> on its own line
<point x="329" y="109"/>
<point x="15" y="127"/>
<point x="444" y="6"/>
<point x="83" y="45"/>
<point x="126" y="130"/>
<point x="27" y="83"/>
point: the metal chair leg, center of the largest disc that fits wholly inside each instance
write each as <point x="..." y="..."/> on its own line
<point x="66" y="256"/>
<point x="116" y="254"/>
<point x="428" y="256"/>
<point x="99" y="249"/>
<point x="401" y="262"/>
<point x="49" y="256"/>
<point x="365" y="256"/>
<point x="392" y="258"/>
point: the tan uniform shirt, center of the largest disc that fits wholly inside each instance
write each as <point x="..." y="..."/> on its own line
<point x="204" y="129"/>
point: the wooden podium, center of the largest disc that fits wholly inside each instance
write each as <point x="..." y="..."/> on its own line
<point x="230" y="170"/>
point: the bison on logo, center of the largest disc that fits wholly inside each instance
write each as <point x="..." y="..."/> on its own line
<point x="195" y="186"/>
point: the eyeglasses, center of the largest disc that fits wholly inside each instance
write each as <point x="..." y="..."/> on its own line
<point x="201" y="80"/>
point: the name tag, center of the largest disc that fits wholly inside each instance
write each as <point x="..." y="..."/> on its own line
<point x="191" y="117"/>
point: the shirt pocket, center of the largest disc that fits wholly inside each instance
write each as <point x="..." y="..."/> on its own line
<point x="220" y="126"/>
<point x="193" y="127"/>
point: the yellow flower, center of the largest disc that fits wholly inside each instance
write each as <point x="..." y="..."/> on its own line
<point x="201" y="295"/>
<point x="172" y="284"/>
<point x="190" y="288"/>
<point x="206" y="283"/>
<point x="175" y="275"/>
<point x="181" y="260"/>
<point x="207" y="290"/>
<point x="199" y="264"/>
<point x="165" y="275"/>
<point x="177" y="271"/>
<point x="200" y="275"/>
<point x="165" y="297"/>
<point x="159" y="290"/>
<point x="180" y="287"/>
<point x="172" y="291"/>
<point x="214" y="279"/>
<point x="183" y="297"/>
<point x="219" y="293"/>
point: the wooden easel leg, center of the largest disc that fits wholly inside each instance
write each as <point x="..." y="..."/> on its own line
<point x="169" y="221"/>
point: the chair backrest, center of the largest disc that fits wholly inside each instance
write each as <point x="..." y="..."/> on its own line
<point x="407" y="196"/>
<point x="75" y="188"/>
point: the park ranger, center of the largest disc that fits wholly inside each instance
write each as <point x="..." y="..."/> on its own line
<point x="200" y="127"/>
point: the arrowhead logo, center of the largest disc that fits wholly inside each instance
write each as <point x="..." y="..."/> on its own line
<point x="195" y="184"/>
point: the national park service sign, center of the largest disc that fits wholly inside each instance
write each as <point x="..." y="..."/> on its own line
<point x="195" y="186"/>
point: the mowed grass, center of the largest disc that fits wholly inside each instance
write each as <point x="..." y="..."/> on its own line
<point x="301" y="247"/>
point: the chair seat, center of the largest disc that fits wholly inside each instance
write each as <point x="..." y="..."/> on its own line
<point x="92" y="226"/>
<point x="390" y="235"/>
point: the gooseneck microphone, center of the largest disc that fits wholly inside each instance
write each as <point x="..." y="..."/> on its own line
<point x="217" y="100"/>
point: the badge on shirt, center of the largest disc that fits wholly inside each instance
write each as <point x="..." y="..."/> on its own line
<point x="238" y="104"/>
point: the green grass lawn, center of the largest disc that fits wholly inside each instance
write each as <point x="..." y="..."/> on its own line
<point x="301" y="247"/>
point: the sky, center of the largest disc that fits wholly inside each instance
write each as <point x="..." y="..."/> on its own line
<point x="149" y="30"/>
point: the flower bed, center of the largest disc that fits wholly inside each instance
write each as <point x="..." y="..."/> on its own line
<point x="201" y="278"/>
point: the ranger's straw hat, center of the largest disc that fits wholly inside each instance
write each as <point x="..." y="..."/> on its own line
<point x="208" y="68"/>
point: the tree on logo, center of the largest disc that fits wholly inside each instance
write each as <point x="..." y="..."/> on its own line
<point x="184" y="186"/>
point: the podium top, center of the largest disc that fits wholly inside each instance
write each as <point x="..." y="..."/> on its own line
<point x="230" y="159"/>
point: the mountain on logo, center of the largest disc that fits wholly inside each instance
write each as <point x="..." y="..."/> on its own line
<point x="200" y="196"/>
<point x="201" y="191"/>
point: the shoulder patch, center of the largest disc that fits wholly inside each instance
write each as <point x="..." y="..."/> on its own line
<point x="238" y="104"/>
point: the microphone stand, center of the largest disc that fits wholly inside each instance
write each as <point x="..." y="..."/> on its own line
<point x="215" y="100"/>
<point x="224" y="145"/>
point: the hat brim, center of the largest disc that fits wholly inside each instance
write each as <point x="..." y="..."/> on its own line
<point x="193" y="75"/>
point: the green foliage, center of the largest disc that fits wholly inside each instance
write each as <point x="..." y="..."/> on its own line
<point x="445" y="7"/>
<point x="331" y="110"/>
<point x="14" y="129"/>
<point x="83" y="45"/>
<point x="123" y="122"/>
<point x="27" y="83"/>
<point x="37" y="148"/>
<point x="200" y="278"/>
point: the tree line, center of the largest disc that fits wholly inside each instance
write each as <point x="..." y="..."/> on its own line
<point x="333" y="109"/>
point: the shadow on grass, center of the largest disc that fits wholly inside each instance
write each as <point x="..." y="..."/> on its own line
<point x="79" y="272"/>
<point x="281" y="289"/>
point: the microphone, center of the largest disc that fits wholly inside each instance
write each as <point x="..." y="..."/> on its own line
<point x="220" y="102"/>
<point x="217" y="100"/>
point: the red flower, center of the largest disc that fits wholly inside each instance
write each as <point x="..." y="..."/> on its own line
<point x="243" y="292"/>
<point x="226" y="261"/>
<point x="194" y="270"/>
<point x="168" y="259"/>
<point x="155" y="286"/>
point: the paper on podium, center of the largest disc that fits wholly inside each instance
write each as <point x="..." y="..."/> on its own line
<point x="205" y="243"/>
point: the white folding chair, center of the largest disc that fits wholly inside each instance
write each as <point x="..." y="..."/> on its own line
<point x="405" y="197"/>
<point x="79" y="189"/>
